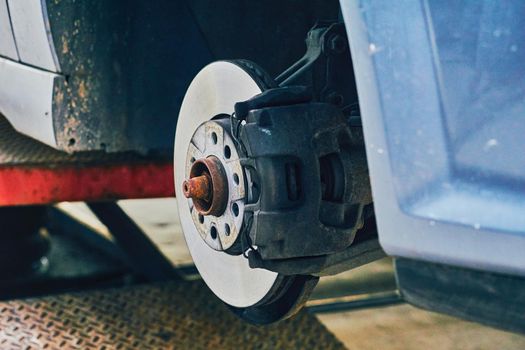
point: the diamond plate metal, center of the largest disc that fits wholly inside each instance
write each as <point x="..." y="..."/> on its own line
<point x="176" y="315"/>
<point x="19" y="150"/>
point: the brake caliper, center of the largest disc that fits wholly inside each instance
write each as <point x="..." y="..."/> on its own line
<point x="306" y="177"/>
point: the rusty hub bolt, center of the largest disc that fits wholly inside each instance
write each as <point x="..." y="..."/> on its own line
<point x="198" y="187"/>
<point x="207" y="186"/>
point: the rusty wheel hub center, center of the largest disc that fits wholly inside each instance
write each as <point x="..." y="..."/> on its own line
<point x="207" y="186"/>
<point x="214" y="184"/>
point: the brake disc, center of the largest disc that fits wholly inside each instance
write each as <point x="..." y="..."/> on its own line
<point x="211" y="193"/>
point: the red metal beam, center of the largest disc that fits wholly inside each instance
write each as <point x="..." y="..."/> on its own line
<point x="25" y="185"/>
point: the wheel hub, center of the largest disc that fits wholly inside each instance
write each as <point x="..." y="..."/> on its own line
<point x="207" y="186"/>
<point x="214" y="184"/>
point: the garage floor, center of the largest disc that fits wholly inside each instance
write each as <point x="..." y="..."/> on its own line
<point x="172" y="315"/>
<point x="394" y="327"/>
<point x="402" y="327"/>
<point x="405" y="327"/>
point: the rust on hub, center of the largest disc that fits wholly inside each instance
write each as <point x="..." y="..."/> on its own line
<point x="207" y="186"/>
<point x="198" y="187"/>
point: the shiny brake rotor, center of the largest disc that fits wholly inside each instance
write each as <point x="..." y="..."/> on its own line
<point x="209" y="183"/>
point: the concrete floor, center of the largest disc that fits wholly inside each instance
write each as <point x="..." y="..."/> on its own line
<point x="401" y="327"/>
<point x="404" y="327"/>
<point x="390" y="328"/>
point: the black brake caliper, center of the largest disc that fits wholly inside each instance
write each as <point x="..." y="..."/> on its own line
<point x="307" y="180"/>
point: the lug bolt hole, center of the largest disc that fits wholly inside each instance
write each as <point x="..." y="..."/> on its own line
<point x="214" y="138"/>
<point x="201" y="219"/>
<point x="227" y="229"/>
<point x="235" y="209"/>
<point x="192" y="160"/>
<point x="227" y="152"/>
<point x="236" y="178"/>
<point x="213" y="232"/>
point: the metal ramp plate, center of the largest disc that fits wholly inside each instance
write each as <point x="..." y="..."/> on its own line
<point x="175" y="315"/>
